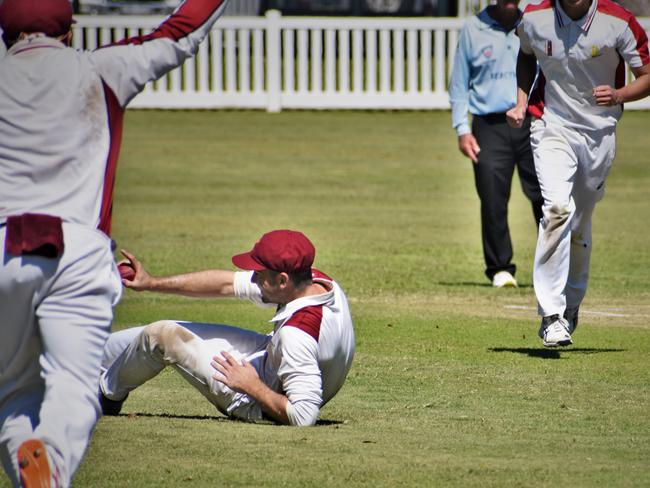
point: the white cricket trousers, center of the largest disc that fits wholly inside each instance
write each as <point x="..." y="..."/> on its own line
<point x="134" y="356"/>
<point x="55" y="317"/>
<point x="571" y="168"/>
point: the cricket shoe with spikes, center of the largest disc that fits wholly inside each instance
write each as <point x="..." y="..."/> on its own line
<point x="33" y="465"/>
<point x="554" y="331"/>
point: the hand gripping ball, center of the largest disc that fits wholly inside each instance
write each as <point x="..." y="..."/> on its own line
<point x="126" y="271"/>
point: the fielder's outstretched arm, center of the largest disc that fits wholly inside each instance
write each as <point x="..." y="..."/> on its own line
<point x="206" y="284"/>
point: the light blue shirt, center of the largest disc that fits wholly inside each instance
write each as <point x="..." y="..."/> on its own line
<point x="484" y="77"/>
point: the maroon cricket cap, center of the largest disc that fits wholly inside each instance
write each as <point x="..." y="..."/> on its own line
<point x="286" y="251"/>
<point x="51" y="17"/>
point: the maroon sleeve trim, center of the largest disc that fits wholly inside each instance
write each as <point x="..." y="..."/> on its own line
<point x="615" y="10"/>
<point x="641" y="40"/>
<point x="115" y="124"/>
<point x="189" y="17"/>
<point x="536" y="102"/>
<point x="308" y="320"/>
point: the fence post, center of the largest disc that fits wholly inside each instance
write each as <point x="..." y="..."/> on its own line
<point x="273" y="61"/>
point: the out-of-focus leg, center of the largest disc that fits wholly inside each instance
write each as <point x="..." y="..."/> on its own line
<point x="74" y="322"/>
<point x="556" y="164"/>
<point x="19" y="418"/>
<point x="21" y="385"/>
<point x="596" y="157"/>
<point x="526" y="170"/>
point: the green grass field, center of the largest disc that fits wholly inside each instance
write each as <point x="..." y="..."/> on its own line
<point x="451" y="386"/>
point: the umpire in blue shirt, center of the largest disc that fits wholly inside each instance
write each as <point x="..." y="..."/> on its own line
<point x="484" y="83"/>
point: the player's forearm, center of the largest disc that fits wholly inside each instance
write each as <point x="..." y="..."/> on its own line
<point x="522" y="98"/>
<point x="209" y="283"/>
<point x="274" y="404"/>
<point x="460" y="117"/>
<point x="636" y="90"/>
<point x="526" y="71"/>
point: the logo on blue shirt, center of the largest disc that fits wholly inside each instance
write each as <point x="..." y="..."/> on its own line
<point x="487" y="51"/>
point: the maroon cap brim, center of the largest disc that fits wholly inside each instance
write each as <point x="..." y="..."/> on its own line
<point x="246" y="261"/>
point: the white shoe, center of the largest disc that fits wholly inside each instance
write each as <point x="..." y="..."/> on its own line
<point x="554" y="331"/>
<point x="503" y="279"/>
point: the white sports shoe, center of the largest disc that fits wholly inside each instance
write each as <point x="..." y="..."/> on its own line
<point x="554" y="331"/>
<point x="503" y="279"/>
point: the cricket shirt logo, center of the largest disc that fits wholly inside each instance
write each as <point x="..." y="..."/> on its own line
<point x="595" y="52"/>
<point x="487" y="51"/>
<point x="549" y="48"/>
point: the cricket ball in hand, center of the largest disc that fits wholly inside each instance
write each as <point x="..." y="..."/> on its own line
<point x="126" y="271"/>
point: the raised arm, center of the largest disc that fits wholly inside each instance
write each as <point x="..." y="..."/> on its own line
<point x="128" y="65"/>
<point x="205" y="284"/>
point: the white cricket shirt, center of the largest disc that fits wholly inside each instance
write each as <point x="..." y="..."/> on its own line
<point x="577" y="55"/>
<point x="61" y="113"/>
<point x="310" y="352"/>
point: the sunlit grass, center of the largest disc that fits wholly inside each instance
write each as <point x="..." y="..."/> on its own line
<point x="450" y="385"/>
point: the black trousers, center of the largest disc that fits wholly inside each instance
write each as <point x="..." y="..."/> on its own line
<point x="502" y="148"/>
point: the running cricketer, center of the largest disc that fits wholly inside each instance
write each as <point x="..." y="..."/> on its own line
<point x="582" y="47"/>
<point x="61" y="114"/>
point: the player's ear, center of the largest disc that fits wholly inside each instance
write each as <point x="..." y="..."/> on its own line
<point x="283" y="280"/>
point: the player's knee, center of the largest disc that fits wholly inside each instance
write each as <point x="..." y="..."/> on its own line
<point x="577" y="239"/>
<point x="165" y="333"/>
<point x="557" y="215"/>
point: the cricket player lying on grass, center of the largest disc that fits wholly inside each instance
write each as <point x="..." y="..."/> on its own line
<point x="286" y="376"/>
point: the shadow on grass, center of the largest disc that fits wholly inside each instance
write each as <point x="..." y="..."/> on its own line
<point x="326" y="422"/>
<point x="475" y="284"/>
<point x="217" y="418"/>
<point x="545" y="353"/>
<point x="133" y="415"/>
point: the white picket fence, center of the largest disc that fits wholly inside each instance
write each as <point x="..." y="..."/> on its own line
<point x="274" y="62"/>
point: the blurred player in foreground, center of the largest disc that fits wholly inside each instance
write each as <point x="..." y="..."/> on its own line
<point x="581" y="47"/>
<point x="286" y="376"/>
<point x="61" y="114"/>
